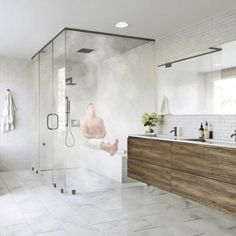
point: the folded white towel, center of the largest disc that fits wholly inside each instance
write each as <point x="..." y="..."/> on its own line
<point x="8" y="114"/>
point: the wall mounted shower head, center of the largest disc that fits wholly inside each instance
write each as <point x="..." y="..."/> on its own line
<point x="70" y="82"/>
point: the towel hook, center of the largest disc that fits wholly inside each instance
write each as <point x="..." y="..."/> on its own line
<point x="8" y="90"/>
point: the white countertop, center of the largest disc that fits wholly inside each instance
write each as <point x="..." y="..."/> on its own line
<point x="208" y="142"/>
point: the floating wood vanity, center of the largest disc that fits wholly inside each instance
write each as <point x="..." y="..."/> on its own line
<point x="202" y="172"/>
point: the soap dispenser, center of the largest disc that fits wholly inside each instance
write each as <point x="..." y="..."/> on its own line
<point x="206" y="131"/>
<point x="201" y="132"/>
<point x="210" y="131"/>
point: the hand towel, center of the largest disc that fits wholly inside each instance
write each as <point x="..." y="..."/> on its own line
<point x="165" y="106"/>
<point x="8" y="114"/>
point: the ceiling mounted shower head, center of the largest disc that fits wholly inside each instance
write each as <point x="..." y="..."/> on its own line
<point x="85" y="50"/>
<point x="69" y="81"/>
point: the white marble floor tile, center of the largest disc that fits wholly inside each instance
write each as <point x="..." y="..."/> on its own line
<point x="209" y="228"/>
<point x="29" y="204"/>
<point x="173" y="229"/>
<point x="61" y="210"/>
<point x="124" y="226"/>
<point x="214" y="216"/>
<point x="16" y="230"/>
<point x="43" y="224"/>
<point x="55" y="233"/>
<point x="76" y="226"/>
<point x="11" y="216"/>
<point x="42" y="221"/>
<point x="98" y="215"/>
<point x="232" y="230"/>
<point x="137" y="210"/>
<point x="153" y="232"/>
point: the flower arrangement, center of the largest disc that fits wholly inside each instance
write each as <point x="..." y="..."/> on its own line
<point x="150" y="121"/>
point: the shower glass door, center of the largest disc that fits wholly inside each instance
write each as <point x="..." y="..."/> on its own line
<point x="44" y="121"/>
<point x="51" y="116"/>
<point x="58" y="111"/>
<point x="64" y="138"/>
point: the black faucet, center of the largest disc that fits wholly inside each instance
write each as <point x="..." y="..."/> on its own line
<point x="233" y="135"/>
<point x="175" y="131"/>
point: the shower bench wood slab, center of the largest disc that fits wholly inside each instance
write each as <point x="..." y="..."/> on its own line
<point x="203" y="173"/>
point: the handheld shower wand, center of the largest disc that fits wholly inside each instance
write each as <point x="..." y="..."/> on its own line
<point x="68" y="126"/>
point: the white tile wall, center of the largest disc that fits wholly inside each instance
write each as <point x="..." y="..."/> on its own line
<point x="222" y="125"/>
<point x="16" y="147"/>
<point x="211" y="32"/>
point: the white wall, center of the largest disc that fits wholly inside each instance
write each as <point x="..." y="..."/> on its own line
<point x="127" y="89"/>
<point x="16" y="147"/>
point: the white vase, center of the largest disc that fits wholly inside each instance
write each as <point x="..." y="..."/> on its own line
<point x="149" y="130"/>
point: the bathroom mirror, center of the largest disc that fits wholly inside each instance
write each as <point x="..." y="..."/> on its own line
<point x="201" y="83"/>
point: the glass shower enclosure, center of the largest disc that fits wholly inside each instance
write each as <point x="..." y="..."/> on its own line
<point x="91" y="91"/>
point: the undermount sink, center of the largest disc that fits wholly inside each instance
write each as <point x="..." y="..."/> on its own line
<point x="194" y="140"/>
<point x="223" y="143"/>
<point x="210" y="141"/>
<point x="206" y="141"/>
<point x="148" y="135"/>
<point x="159" y="136"/>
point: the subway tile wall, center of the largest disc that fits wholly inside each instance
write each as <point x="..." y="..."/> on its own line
<point x="211" y="32"/>
<point x="222" y="125"/>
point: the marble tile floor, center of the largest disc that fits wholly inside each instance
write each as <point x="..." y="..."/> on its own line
<point x="30" y="206"/>
<point x="80" y="179"/>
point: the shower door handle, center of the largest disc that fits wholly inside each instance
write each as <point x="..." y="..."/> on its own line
<point x="57" y="117"/>
<point x="57" y="121"/>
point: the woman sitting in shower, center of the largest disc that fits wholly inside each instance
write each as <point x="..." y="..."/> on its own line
<point x="94" y="130"/>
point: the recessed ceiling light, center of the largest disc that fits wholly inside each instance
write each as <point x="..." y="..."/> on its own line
<point x="121" y="24"/>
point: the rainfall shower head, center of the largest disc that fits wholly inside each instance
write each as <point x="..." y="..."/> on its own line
<point x="85" y="50"/>
<point x="69" y="81"/>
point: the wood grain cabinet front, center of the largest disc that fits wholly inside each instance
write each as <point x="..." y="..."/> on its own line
<point x="149" y="161"/>
<point x="151" y="151"/>
<point x="150" y="174"/>
<point x="204" y="173"/>
<point x="210" y="192"/>
<point x="208" y="161"/>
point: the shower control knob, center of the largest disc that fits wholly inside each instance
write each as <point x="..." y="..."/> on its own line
<point x="44" y="144"/>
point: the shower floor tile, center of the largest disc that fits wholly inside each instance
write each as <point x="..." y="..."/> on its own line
<point x="29" y="205"/>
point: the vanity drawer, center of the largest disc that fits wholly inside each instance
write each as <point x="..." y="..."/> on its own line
<point x="150" y="174"/>
<point x="213" y="162"/>
<point x="155" y="152"/>
<point x="204" y="190"/>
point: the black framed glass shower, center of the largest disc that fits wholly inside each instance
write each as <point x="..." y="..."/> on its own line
<point x="77" y="68"/>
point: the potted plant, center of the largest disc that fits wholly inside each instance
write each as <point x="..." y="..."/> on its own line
<point x="150" y="121"/>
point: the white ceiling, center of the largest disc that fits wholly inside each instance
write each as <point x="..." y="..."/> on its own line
<point x="26" y="25"/>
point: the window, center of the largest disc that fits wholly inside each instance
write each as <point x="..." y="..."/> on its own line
<point x="225" y="96"/>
